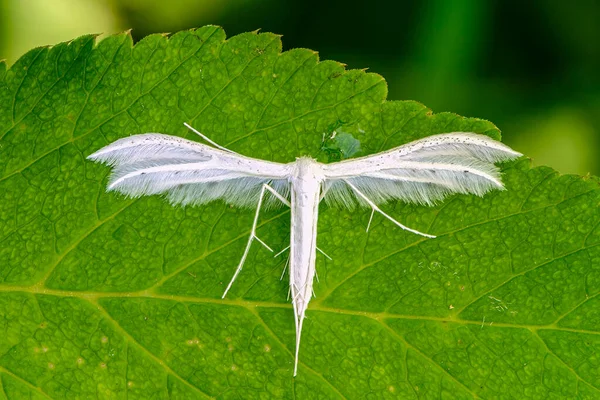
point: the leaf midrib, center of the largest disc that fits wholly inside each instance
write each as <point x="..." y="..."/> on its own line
<point x="253" y="304"/>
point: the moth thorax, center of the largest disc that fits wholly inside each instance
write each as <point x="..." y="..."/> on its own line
<point x="308" y="169"/>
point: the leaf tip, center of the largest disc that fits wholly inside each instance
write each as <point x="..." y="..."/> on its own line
<point x="258" y="31"/>
<point x="213" y="26"/>
<point x="89" y="36"/>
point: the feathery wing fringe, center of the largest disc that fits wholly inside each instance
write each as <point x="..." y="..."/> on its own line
<point x="188" y="172"/>
<point x="423" y="171"/>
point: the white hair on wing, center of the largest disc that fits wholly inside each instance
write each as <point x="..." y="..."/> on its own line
<point x="452" y="163"/>
<point x="460" y="143"/>
<point x="164" y="171"/>
<point x="151" y="146"/>
<point x="338" y="194"/>
<point x="138" y="180"/>
<point x="423" y="183"/>
<point x="241" y="192"/>
<point x="199" y="185"/>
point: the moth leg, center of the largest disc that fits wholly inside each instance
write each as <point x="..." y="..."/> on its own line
<point x="323" y="193"/>
<point x="286" y="264"/>
<point x="375" y="208"/>
<point x="318" y="249"/>
<point x="370" y="219"/>
<point x="263" y="243"/>
<point x="288" y="247"/>
<point x="253" y="236"/>
<point x="282" y="251"/>
<point x="276" y="194"/>
<point x="325" y="254"/>
<point x="284" y="269"/>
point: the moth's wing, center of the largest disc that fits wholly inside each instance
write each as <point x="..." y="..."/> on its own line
<point x="188" y="172"/>
<point x="423" y="171"/>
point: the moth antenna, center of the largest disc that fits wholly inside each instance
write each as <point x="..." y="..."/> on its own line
<point x="207" y="139"/>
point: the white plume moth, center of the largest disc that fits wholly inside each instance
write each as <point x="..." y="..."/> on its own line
<point x="188" y="172"/>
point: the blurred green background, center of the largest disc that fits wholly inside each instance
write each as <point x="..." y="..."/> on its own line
<point x="530" y="67"/>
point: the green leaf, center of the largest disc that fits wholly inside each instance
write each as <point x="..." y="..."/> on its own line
<point x="107" y="297"/>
